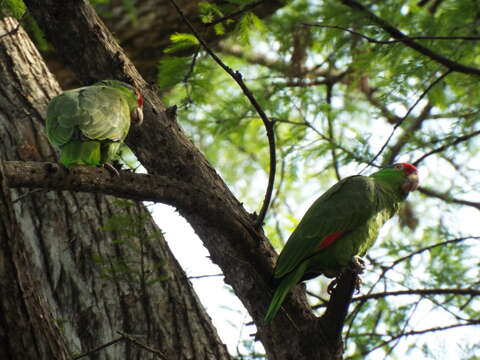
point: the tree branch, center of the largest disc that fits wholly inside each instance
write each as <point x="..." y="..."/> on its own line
<point x="397" y="125"/>
<point x="446" y="146"/>
<point x="447" y="198"/>
<point x="235" y="75"/>
<point x="380" y="295"/>
<point x="415" y="125"/>
<point x="234" y="14"/>
<point x="337" y="307"/>
<point x="128" y="185"/>
<point x="397" y="34"/>
<point x="375" y="41"/>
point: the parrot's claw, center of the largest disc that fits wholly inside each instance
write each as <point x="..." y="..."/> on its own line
<point x="333" y="284"/>
<point x="358" y="283"/>
<point x="357" y="265"/>
<point x="111" y="169"/>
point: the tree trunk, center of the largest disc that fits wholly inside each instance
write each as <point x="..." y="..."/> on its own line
<point x="144" y="30"/>
<point x="73" y="277"/>
<point x="229" y="233"/>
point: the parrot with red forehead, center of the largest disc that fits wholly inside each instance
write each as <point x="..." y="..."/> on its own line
<point x="89" y="124"/>
<point x="340" y="226"/>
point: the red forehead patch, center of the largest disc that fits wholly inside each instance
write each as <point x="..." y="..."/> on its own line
<point x="409" y="168"/>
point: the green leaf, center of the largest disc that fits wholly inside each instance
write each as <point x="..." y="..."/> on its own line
<point x="209" y="12"/>
<point x="15" y="8"/>
<point x="172" y="70"/>
<point x="181" y="41"/>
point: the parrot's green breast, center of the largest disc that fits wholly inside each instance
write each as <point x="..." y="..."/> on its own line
<point x="342" y="223"/>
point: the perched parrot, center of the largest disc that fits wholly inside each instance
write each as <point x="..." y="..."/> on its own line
<point x="89" y="124"/>
<point x="340" y="226"/>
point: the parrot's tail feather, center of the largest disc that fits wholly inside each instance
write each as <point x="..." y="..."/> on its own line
<point x="77" y="152"/>
<point x="286" y="284"/>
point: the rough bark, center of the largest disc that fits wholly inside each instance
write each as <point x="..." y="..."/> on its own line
<point x="241" y="250"/>
<point x="68" y="283"/>
<point x="143" y="29"/>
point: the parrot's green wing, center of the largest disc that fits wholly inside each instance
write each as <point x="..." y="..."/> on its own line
<point x="98" y="112"/>
<point x="344" y="207"/>
<point x="89" y="123"/>
<point x="106" y="114"/>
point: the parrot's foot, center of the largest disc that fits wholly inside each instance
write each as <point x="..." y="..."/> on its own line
<point x="357" y="265"/>
<point x="111" y="169"/>
<point x="358" y="283"/>
<point x="333" y="284"/>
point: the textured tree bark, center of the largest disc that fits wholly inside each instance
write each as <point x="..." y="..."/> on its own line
<point x="226" y="229"/>
<point x="143" y="29"/>
<point x="71" y="273"/>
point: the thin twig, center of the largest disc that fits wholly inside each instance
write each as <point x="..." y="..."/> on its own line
<point x="447" y="198"/>
<point x="103" y="346"/>
<point x="396" y="41"/>
<point x="267" y="123"/>
<point x="142" y="345"/>
<point x="15" y="29"/>
<point x="421" y="332"/>
<point x="397" y="34"/>
<point x="21" y="197"/>
<point x="331" y="135"/>
<point x="422" y="292"/>
<point x="446" y="146"/>
<point x="203" y="276"/>
<point x="246" y="8"/>
<point x="403" y="139"/>
<point x="358" y="307"/>
<point x="397" y="125"/>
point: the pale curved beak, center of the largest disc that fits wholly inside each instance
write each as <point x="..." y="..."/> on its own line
<point x="411" y="183"/>
<point x="137" y="116"/>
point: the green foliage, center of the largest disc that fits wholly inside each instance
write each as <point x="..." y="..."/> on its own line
<point x="172" y="70"/>
<point x="286" y="66"/>
<point x="14" y="8"/>
<point x="181" y="41"/>
<point x="131" y="236"/>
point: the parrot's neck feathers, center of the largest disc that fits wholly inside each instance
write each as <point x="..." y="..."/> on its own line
<point x="391" y="182"/>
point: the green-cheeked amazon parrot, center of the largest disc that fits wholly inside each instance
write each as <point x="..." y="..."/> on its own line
<point x="89" y="124"/>
<point x="340" y="226"/>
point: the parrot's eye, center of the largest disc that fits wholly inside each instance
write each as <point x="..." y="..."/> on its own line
<point x="398" y="167"/>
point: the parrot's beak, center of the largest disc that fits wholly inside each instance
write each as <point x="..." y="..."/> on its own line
<point x="137" y="116"/>
<point x="411" y="183"/>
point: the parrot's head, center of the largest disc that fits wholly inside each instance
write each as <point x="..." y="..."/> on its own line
<point x="132" y="95"/>
<point x="137" y="112"/>
<point x="402" y="176"/>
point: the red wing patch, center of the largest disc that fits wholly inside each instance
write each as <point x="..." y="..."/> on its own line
<point x="329" y="239"/>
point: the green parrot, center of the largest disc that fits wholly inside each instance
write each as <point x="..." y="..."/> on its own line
<point x="89" y="124"/>
<point x="340" y="226"/>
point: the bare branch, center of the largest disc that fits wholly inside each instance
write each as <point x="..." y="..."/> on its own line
<point x="406" y="135"/>
<point x="267" y="123"/>
<point x="135" y="341"/>
<point x="446" y="146"/>
<point x="396" y="41"/>
<point x="237" y="13"/>
<point x="381" y="295"/>
<point x="447" y="198"/>
<point x="331" y="134"/>
<point x="397" y="125"/>
<point x="141" y="187"/>
<point x="204" y="276"/>
<point x="103" y="346"/>
<point x="397" y="34"/>
<point x="13" y="31"/>
<point x="421" y="332"/>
